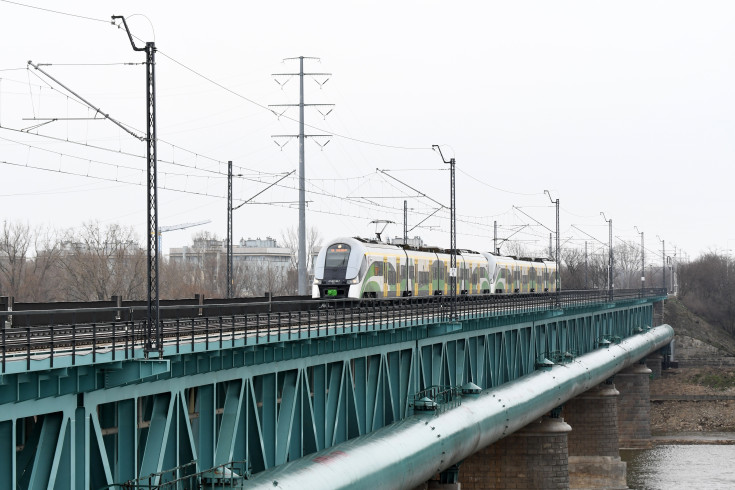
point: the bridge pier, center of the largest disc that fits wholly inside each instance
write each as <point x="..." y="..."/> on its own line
<point x="594" y="456"/>
<point x="533" y="457"/>
<point x="448" y="480"/>
<point x="634" y="406"/>
<point x="654" y="363"/>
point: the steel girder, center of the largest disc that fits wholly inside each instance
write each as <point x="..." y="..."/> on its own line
<point x="95" y="425"/>
<point x="410" y="452"/>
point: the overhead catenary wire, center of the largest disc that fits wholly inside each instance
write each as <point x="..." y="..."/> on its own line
<point x="126" y="127"/>
<point x="135" y="155"/>
<point x="97" y="109"/>
<point x="497" y="188"/>
<point x="237" y="94"/>
<point x="222" y="86"/>
<point x="84" y="17"/>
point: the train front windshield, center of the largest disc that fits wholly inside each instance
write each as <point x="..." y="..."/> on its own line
<point x="337" y="256"/>
<point x="334" y="284"/>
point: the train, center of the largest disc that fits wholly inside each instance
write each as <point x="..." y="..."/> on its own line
<point x="363" y="268"/>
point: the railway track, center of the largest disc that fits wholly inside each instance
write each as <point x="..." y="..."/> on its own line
<point x="313" y="318"/>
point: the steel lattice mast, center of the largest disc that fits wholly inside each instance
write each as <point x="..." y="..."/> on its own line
<point x="452" y="236"/>
<point x="229" y="229"/>
<point x="153" y="325"/>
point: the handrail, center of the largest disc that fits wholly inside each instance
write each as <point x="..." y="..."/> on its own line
<point x="124" y="337"/>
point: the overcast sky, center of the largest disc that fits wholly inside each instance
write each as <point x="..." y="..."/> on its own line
<point x="620" y="107"/>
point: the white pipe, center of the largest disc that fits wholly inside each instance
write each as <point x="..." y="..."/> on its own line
<point x="409" y="452"/>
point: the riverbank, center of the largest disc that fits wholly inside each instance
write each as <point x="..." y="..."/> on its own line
<point x="691" y="401"/>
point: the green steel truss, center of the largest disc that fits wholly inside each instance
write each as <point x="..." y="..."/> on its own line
<point x="94" y="425"/>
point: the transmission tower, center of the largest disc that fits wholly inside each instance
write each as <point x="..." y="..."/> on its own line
<point x="301" y="136"/>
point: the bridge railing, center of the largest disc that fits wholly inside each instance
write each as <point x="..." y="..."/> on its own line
<point x="220" y="326"/>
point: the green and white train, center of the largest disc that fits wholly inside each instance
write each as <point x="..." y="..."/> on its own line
<point x="360" y="268"/>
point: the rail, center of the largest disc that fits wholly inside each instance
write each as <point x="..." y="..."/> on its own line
<point x="223" y="326"/>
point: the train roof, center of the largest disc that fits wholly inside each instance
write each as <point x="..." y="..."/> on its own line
<point x="373" y="241"/>
<point x="515" y="257"/>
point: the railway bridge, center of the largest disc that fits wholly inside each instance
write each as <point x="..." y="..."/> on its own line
<point x="479" y="392"/>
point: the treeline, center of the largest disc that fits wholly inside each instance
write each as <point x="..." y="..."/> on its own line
<point x="95" y="262"/>
<point x="706" y="288"/>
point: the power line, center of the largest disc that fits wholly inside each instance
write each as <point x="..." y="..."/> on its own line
<point x="55" y="11"/>
<point x="108" y="179"/>
<point x="265" y="107"/>
<point x="498" y="188"/>
<point x="126" y="127"/>
<point x="135" y="155"/>
<point x="107" y="164"/>
<point x="223" y="87"/>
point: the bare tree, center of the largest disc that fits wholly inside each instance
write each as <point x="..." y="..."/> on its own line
<point x="43" y="282"/>
<point x="572" y="268"/>
<point x="290" y="240"/>
<point x="706" y="288"/>
<point x="515" y="249"/>
<point x="98" y="263"/>
<point x="15" y="242"/>
<point x="627" y="265"/>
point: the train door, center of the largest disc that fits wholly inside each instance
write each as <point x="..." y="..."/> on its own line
<point x="410" y="277"/>
<point x="385" y="276"/>
<point x="444" y="265"/>
<point x="416" y="277"/>
<point x="399" y="276"/>
<point x="524" y="278"/>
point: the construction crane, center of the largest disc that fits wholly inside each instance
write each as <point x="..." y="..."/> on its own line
<point x="182" y="226"/>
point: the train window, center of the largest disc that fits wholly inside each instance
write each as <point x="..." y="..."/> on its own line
<point x="391" y="275"/>
<point x="337" y="256"/>
<point x="410" y="272"/>
<point x="378" y="268"/>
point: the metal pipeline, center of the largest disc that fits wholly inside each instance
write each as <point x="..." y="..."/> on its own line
<point x="408" y="453"/>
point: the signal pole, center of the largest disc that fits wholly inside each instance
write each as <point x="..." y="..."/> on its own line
<point x="586" y="266"/>
<point x="495" y="237"/>
<point x="610" y="276"/>
<point x="643" y="259"/>
<point x="558" y="270"/>
<point x="229" y="229"/>
<point x="302" y="287"/>
<point x="663" y="262"/>
<point x="405" y="222"/>
<point x="153" y="343"/>
<point x="452" y="237"/>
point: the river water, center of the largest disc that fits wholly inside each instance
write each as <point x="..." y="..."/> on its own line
<point x="683" y="466"/>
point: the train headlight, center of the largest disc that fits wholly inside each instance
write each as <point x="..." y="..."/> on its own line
<point x="353" y="281"/>
<point x="317" y="281"/>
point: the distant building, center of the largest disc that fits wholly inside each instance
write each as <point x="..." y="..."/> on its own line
<point x="247" y="252"/>
<point x="251" y="251"/>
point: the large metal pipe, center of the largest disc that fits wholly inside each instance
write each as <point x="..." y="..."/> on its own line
<point x="408" y="453"/>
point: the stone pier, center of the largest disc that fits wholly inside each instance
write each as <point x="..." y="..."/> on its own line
<point x="654" y="362"/>
<point x="634" y="407"/>
<point x="535" y="457"/>
<point x="594" y="456"/>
